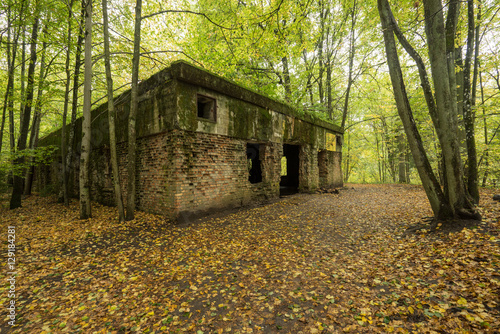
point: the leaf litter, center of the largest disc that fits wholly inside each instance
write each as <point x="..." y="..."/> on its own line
<point x="309" y="263"/>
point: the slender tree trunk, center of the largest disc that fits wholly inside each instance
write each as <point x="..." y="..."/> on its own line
<point x="17" y="191"/>
<point x="348" y="158"/>
<point x="472" y="171"/>
<point x="111" y="116"/>
<point x="74" y="104"/>
<point x="36" y="116"/>
<point x="329" y="99"/>
<point x="377" y="146"/>
<point x="476" y="56"/>
<point x="352" y="49"/>
<point x="407" y="155"/>
<point x="287" y="82"/>
<point x="9" y="93"/>
<point x="65" y="196"/>
<point x="85" y="205"/>
<point x="133" y="114"/>
<point x="402" y="159"/>
<point x="460" y="83"/>
<point x="10" y="75"/>
<point x="486" y="142"/>
<point x="23" y="75"/>
<point x="33" y="144"/>
<point x="323" y="14"/>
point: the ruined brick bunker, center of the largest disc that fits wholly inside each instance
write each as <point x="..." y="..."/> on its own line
<point x="205" y="143"/>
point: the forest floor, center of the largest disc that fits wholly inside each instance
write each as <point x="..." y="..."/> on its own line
<point x="320" y="263"/>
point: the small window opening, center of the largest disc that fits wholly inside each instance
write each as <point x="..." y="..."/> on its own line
<point x="254" y="168"/>
<point x="206" y="107"/>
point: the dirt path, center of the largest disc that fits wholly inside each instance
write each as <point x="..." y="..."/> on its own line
<point x="307" y="263"/>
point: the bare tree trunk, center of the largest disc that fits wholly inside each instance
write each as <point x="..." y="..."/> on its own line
<point x="23" y="76"/>
<point x="85" y="205"/>
<point x="17" y="190"/>
<point x="485" y="123"/>
<point x="402" y="159"/>
<point x="65" y="196"/>
<point x="33" y="143"/>
<point x="347" y="158"/>
<point x="329" y="98"/>
<point x="74" y="106"/>
<point x="111" y="116"/>
<point x="10" y="74"/>
<point x="36" y="116"/>
<point x="133" y="114"/>
<point x="352" y="49"/>
<point x="9" y="92"/>
<point x="472" y="172"/>
<point x="322" y="17"/>
<point x="286" y="82"/>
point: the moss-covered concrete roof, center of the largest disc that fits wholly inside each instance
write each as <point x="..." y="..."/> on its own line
<point x="184" y="71"/>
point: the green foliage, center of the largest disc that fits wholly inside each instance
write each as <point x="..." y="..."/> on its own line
<point x="29" y="157"/>
<point x="248" y="42"/>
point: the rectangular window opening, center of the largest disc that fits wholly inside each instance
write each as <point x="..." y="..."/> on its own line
<point x="254" y="164"/>
<point x="206" y="107"/>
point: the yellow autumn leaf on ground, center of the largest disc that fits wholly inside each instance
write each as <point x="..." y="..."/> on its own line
<point x="249" y="271"/>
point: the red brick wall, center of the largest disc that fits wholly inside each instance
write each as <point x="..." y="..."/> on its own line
<point x="212" y="172"/>
<point x="180" y="173"/>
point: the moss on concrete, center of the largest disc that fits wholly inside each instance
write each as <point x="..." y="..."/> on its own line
<point x="186" y="72"/>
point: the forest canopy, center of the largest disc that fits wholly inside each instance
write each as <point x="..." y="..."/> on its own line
<point x="324" y="57"/>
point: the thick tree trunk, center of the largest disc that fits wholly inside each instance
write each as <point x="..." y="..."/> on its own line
<point x="133" y="113"/>
<point x="85" y="205"/>
<point x="17" y="190"/>
<point x="442" y="105"/>
<point x="437" y="200"/>
<point x="111" y="116"/>
<point x="443" y="75"/>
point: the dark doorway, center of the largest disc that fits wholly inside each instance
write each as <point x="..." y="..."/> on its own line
<point x="254" y="168"/>
<point x="290" y="170"/>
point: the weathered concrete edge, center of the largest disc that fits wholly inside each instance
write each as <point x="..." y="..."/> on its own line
<point x="186" y="72"/>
